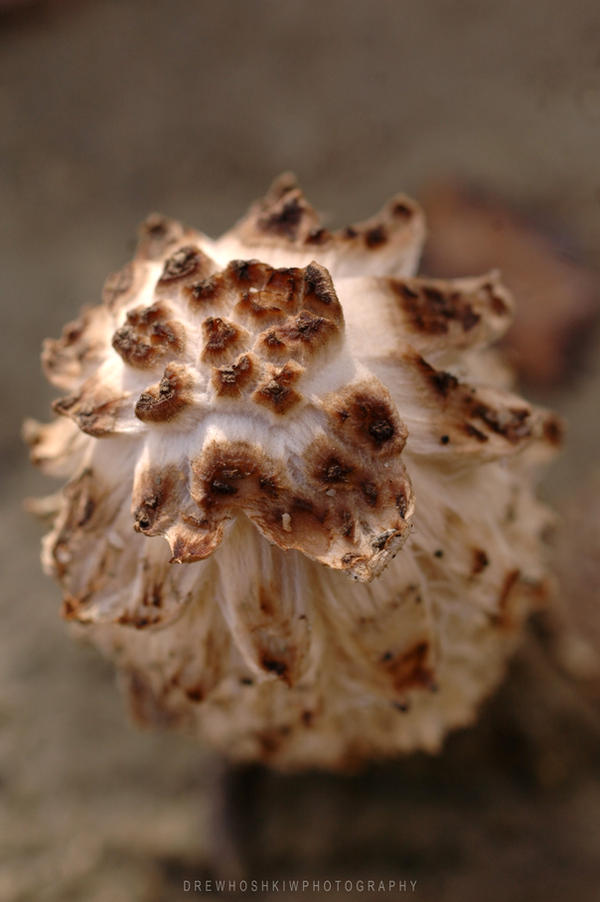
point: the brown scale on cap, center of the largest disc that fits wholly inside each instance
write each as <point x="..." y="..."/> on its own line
<point x="93" y="408"/>
<point x="154" y="499"/>
<point x="277" y="391"/>
<point x="304" y="337"/>
<point x="157" y="235"/>
<point x="163" y="402"/>
<point x="267" y="294"/>
<point x="197" y="543"/>
<point x="342" y="478"/>
<point x="148" y="336"/>
<point x="223" y="470"/>
<point x="365" y="417"/>
<point x="433" y="306"/>
<point x="284" y="220"/>
<point x="223" y="340"/>
<point x="240" y="477"/>
<point x="232" y="380"/>
<point x="258" y="310"/>
<point x="206" y="292"/>
<point x="186" y="267"/>
<point x="319" y="294"/>
<point x="375" y="236"/>
<point x="479" y="414"/>
<point x="283" y="213"/>
<point x="330" y="466"/>
<point x="301" y="307"/>
<point x="81" y="503"/>
<point x="245" y="274"/>
<point x="307" y="515"/>
<point x="70" y="358"/>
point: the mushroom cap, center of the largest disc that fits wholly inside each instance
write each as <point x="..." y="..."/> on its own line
<point x="288" y="406"/>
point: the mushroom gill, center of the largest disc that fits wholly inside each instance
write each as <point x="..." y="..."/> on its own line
<point x="250" y="421"/>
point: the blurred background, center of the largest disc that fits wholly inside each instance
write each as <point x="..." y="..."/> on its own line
<point x="490" y="114"/>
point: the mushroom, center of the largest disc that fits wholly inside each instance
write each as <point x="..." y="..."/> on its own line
<point x="300" y="515"/>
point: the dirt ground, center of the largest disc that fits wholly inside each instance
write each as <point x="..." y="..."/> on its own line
<point x="112" y="108"/>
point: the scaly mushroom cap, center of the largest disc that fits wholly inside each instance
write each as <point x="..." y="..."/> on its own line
<point x="289" y="406"/>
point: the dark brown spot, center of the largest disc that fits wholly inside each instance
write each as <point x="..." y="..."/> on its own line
<point x="86" y="514"/>
<point x="158" y="493"/>
<point x="369" y="490"/>
<point x="401" y="504"/>
<point x="370" y="417"/>
<point x="206" y="290"/>
<point x="247" y="273"/>
<point x="475" y="433"/>
<point x="431" y="306"/>
<point x="347" y="524"/>
<point x="284" y="220"/>
<point x="223" y="488"/>
<point x="265" y="602"/>
<point x="195" y="693"/>
<point x="404" y="287"/>
<point x="333" y="471"/>
<point x="409" y="670"/>
<point x="512" y="423"/>
<point x="379" y="542"/>
<point x="381" y="431"/>
<point x="497" y="303"/>
<point x="444" y="439"/>
<point x="443" y="382"/>
<point x="274" y="665"/>
<point x="438" y="553"/>
<point x="268" y="484"/>
<point x="553" y="430"/>
<point x="480" y="561"/>
<point x="318" y="236"/>
<point x="153" y="596"/>
<point x="277" y="393"/>
<point x="70" y="607"/>
<point x="401" y="210"/>
<point x="375" y="236"/>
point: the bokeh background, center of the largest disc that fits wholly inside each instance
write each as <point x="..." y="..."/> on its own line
<point x="110" y="109"/>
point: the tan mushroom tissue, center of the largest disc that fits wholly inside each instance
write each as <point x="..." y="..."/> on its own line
<point x="300" y="514"/>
